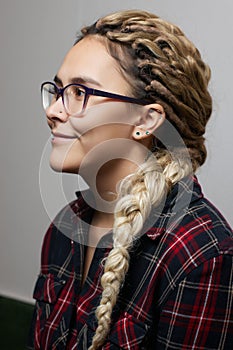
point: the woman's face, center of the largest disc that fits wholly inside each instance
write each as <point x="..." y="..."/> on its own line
<point x="86" y="137"/>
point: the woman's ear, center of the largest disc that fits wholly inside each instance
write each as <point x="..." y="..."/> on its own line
<point x="152" y="116"/>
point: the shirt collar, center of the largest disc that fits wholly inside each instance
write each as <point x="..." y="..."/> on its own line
<point x="177" y="204"/>
<point x="163" y="218"/>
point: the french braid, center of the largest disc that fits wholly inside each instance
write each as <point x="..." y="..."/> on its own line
<point x="163" y="66"/>
<point x="139" y="192"/>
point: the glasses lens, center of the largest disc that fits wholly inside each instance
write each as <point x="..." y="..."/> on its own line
<point x="74" y="96"/>
<point x="48" y="94"/>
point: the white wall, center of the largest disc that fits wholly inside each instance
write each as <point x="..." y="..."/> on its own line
<point x="35" y="35"/>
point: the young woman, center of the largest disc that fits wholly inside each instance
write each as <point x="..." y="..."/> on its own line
<point x="141" y="260"/>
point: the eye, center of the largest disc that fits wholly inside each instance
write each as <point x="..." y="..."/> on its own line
<point x="76" y="91"/>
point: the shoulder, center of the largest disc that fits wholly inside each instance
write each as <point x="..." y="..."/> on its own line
<point x="198" y="234"/>
<point x="65" y="223"/>
<point x="194" y="225"/>
<point x="182" y="241"/>
<point x="67" y="230"/>
<point x="61" y="226"/>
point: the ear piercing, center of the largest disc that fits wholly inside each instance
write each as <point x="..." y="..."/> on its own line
<point x="138" y="133"/>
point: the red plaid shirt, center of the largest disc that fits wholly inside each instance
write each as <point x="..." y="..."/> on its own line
<point x="178" y="292"/>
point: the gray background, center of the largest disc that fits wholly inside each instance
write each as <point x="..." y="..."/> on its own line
<point x="35" y="36"/>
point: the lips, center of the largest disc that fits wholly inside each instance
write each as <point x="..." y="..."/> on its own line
<point x="63" y="136"/>
<point x="58" y="137"/>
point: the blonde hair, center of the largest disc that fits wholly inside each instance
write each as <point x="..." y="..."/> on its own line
<point x="163" y="66"/>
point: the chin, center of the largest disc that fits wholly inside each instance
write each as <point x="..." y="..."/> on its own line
<point x="62" y="166"/>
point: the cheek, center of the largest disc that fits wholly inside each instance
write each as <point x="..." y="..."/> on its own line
<point x="103" y="122"/>
<point x="104" y="139"/>
<point x="107" y="132"/>
<point x="102" y="115"/>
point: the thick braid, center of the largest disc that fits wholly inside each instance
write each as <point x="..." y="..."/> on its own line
<point x="138" y="193"/>
<point x="161" y="65"/>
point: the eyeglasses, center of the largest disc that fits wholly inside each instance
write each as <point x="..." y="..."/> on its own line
<point x="75" y="96"/>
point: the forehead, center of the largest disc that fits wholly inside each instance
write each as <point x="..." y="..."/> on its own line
<point x="90" y="58"/>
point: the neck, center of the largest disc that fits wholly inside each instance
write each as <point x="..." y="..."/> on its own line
<point x="106" y="197"/>
<point x="105" y="191"/>
<point x="104" y="184"/>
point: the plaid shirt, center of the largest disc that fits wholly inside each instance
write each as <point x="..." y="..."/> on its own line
<point x="178" y="292"/>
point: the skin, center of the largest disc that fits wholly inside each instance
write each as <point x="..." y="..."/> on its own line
<point x="104" y="146"/>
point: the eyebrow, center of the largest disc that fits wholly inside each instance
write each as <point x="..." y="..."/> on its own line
<point x="78" y="80"/>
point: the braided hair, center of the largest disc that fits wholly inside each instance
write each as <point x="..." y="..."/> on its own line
<point x="161" y="65"/>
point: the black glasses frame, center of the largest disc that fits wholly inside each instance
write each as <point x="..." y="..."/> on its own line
<point x="92" y="92"/>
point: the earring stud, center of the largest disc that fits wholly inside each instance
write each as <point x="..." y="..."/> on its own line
<point x="147" y="132"/>
<point x="137" y="133"/>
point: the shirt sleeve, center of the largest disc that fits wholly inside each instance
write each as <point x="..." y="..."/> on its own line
<point x="199" y="312"/>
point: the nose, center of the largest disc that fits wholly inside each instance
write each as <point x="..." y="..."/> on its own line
<point x="56" y="111"/>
